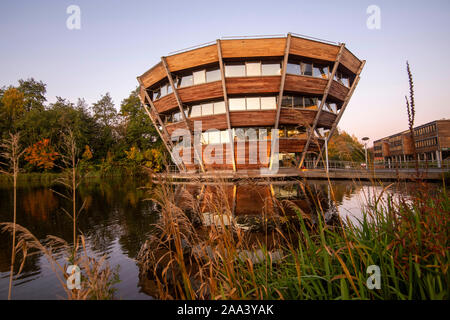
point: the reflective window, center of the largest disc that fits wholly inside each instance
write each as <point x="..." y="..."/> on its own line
<point x="186" y="81"/>
<point x="293" y="68"/>
<point x="310" y="103"/>
<point x="253" y="69"/>
<point x="213" y="75"/>
<point x="298" y="102"/>
<point x="320" y="71"/>
<point x="163" y="90"/>
<point x="156" y="94"/>
<point x="177" y="117"/>
<point x="268" y="103"/>
<point x="196" y="111"/>
<point x="219" y="107"/>
<point x="271" y="69"/>
<point x="207" y="109"/>
<point x="286" y="102"/>
<point x="214" y="137"/>
<point x="253" y="104"/>
<point x="224" y="136"/>
<point x="169" y="89"/>
<point x="237" y="104"/>
<point x="235" y="70"/>
<point x="307" y="69"/>
<point x="199" y="76"/>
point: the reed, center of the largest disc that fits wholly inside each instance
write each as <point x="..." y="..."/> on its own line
<point x="12" y="152"/>
<point x="301" y="256"/>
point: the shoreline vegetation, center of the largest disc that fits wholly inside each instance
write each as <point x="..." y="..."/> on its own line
<point x="299" y="255"/>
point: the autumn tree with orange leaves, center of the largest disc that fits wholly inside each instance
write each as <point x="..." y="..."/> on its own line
<point x="41" y="154"/>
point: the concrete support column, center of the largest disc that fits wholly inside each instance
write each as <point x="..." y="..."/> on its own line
<point x="432" y="156"/>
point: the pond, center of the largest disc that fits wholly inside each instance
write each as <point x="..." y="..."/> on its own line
<point x="118" y="218"/>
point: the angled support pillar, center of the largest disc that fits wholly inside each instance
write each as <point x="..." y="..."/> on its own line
<point x="164" y="134"/>
<point x="183" y="115"/>
<point x="225" y="98"/>
<point x="280" y="95"/>
<point x="322" y="102"/>
<point x="344" y="105"/>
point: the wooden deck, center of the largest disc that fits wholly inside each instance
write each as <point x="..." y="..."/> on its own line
<point x="293" y="173"/>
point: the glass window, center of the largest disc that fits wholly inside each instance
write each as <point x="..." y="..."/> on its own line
<point x="253" y="68"/>
<point x="293" y="68"/>
<point x="263" y="134"/>
<point x="163" y="90"/>
<point x="239" y="133"/>
<point x="207" y="109"/>
<point x="251" y="134"/>
<point x="310" y="103"/>
<point x="268" y="103"/>
<point x="286" y="102"/>
<point x="298" y="102"/>
<point x="199" y="76"/>
<point x="237" y="104"/>
<point x="253" y="104"/>
<point x="307" y="69"/>
<point x="205" y="139"/>
<point x="345" y="81"/>
<point x="332" y="107"/>
<point x="186" y="81"/>
<point x="271" y="69"/>
<point x="156" y="94"/>
<point x="219" y="107"/>
<point x="214" y="136"/>
<point x="235" y="70"/>
<point x="224" y="136"/>
<point x="169" y="88"/>
<point x="213" y="75"/>
<point x="196" y="111"/>
<point x="177" y="117"/>
<point x="320" y="71"/>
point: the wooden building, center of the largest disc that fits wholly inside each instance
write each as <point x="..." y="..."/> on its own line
<point x="432" y="142"/>
<point x="240" y="89"/>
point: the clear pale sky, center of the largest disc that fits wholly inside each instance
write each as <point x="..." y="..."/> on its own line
<point x="119" y="40"/>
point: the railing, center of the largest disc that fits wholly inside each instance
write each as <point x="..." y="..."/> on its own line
<point x="403" y="165"/>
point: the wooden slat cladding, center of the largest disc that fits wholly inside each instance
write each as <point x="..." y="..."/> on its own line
<point x="306" y="117"/>
<point x="350" y="61"/>
<point x="313" y="49"/>
<point x="338" y="91"/>
<point x="217" y="121"/>
<point x="304" y="84"/>
<point x="215" y="157"/>
<point x="243" y="150"/>
<point x="166" y="103"/>
<point x="154" y="75"/>
<point x="258" y="118"/>
<point x="173" y="126"/>
<point x="206" y="91"/>
<point x="244" y="48"/>
<point x="193" y="58"/>
<point x="245" y="85"/>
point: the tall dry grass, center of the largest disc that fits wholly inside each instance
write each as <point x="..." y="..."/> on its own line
<point x="300" y="256"/>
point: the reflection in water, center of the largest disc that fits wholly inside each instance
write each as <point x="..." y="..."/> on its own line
<point x="117" y="221"/>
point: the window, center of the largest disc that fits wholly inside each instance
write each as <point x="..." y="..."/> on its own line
<point x="253" y="104"/>
<point x="307" y="69"/>
<point x="253" y="69"/>
<point x="286" y="102"/>
<point x="224" y="136"/>
<point x="219" y="107"/>
<point x="298" y="102"/>
<point x="270" y="69"/>
<point x="214" y="137"/>
<point x="199" y="76"/>
<point x="235" y="70"/>
<point x="320" y="71"/>
<point x="310" y="103"/>
<point x="196" y="111"/>
<point x="156" y="94"/>
<point x="293" y="68"/>
<point x="237" y="104"/>
<point x="207" y="109"/>
<point x="268" y="103"/>
<point x="213" y="75"/>
<point x="169" y="89"/>
<point x="186" y="81"/>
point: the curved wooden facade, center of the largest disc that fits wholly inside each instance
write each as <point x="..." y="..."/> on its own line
<point x="296" y="85"/>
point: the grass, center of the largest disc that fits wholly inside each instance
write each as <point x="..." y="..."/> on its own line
<point x="406" y="238"/>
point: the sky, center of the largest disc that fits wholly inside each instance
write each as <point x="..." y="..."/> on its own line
<point x="119" y="40"/>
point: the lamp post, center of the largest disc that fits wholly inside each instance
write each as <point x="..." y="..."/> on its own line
<point x="365" y="139"/>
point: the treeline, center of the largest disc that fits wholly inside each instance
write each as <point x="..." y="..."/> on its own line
<point x="345" y="147"/>
<point x="106" y="138"/>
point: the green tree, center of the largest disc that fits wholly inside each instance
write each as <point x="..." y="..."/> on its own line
<point x="12" y="108"/>
<point x="104" y="111"/>
<point x="34" y="94"/>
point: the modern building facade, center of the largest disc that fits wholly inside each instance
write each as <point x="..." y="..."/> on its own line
<point x="432" y="142"/>
<point x="239" y="89"/>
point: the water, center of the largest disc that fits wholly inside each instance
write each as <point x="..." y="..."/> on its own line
<point x="117" y="220"/>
